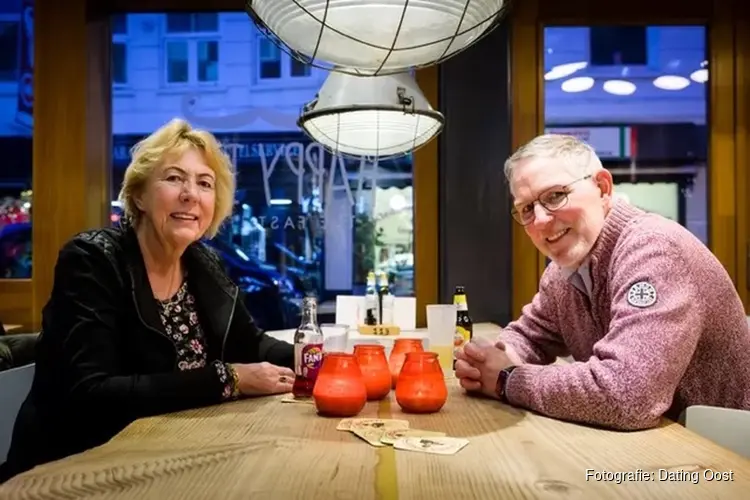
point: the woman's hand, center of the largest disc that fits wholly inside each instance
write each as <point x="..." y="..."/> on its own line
<point x="258" y="379"/>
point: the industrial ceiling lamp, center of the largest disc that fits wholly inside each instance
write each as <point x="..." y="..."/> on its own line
<point x="381" y="116"/>
<point x="374" y="37"/>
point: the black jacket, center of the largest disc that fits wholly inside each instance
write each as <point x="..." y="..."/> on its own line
<point x="103" y="359"/>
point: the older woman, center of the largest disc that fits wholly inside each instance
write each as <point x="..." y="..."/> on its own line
<point x="142" y="319"/>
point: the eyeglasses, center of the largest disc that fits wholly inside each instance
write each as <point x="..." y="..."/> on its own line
<point x="553" y="199"/>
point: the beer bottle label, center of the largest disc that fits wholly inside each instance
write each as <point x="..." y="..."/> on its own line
<point x="461" y="337"/>
<point x="307" y="360"/>
<point x="460" y="302"/>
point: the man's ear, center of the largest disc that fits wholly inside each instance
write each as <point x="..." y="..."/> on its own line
<point x="605" y="183"/>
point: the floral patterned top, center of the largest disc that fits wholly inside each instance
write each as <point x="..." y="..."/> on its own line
<point x="180" y="319"/>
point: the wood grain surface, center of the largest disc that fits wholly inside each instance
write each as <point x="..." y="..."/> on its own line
<point x="265" y="449"/>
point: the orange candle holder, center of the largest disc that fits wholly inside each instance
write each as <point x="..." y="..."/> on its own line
<point x="375" y="370"/>
<point x="340" y="390"/>
<point x="421" y="384"/>
<point x="398" y="355"/>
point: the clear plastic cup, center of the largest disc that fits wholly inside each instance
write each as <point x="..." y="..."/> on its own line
<point x="335" y="337"/>
<point x="441" y="328"/>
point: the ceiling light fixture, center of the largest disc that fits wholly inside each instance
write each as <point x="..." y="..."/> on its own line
<point x="619" y="87"/>
<point x="577" y="84"/>
<point x="381" y="116"/>
<point x="563" y="70"/>
<point x="699" y="75"/>
<point x="374" y="37"/>
<point x="671" y="82"/>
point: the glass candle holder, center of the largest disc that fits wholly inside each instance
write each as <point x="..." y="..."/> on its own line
<point x="421" y="384"/>
<point x="375" y="370"/>
<point x="339" y="389"/>
<point x="398" y="355"/>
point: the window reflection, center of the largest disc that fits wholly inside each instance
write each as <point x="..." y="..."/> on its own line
<point x="16" y="123"/>
<point x="305" y="221"/>
<point x="638" y="95"/>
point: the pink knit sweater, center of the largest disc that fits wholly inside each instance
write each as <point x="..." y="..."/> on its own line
<point x="633" y="364"/>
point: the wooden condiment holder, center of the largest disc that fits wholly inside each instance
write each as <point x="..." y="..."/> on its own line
<point x="380" y="330"/>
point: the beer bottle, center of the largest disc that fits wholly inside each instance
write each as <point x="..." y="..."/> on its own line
<point x="308" y="350"/>
<point x="464" y="331"/>
<point x="385" y="301"/>
<point x="372" y="300"/>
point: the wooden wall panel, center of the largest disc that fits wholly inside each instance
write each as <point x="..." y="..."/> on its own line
<point x="722" y="163"/>
<point x="98" y="167"/>
<point x="68" y="177"/>
<point x="527" y="107"/>
<point x="15" y="302"/>
<point x="742" y="145"/>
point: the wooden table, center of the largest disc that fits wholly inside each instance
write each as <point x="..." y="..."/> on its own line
<point x="264" y="449"/>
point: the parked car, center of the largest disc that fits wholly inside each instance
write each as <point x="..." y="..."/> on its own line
<point x="272" y="299"/>
<point x="244" y="270"/>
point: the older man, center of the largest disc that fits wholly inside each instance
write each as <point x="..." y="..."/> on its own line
<point x="647" y="312"/>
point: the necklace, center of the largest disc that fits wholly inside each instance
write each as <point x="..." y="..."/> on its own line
<point x="169" y="305"/>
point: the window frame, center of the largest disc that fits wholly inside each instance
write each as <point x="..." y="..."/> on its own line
<point x="286" y="79"/>
<point x="122" y="39"/>
<point x="192" y="39"/>
<point x="10" y="86"/>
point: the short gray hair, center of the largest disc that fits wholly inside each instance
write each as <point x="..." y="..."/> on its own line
<point x="566" y="148"/>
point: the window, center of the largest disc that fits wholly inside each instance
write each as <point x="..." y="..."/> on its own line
<point x="208" y="61"/>
<point x="270" y="59"/>
<point x="8" y="50"/>
<point x="654" y="140"/>
<point x="119" y="63"/>
<point x="119" y="50"/>
<point x="16" y="139"/>
<point x="192" y="48"/>
<point x="320" y="233"/>
<point x="119" y="24"/>
<point x="613" y="45"/>
<point x="177" y="62"/>
<point x="193" y="23"/>
<point x="273" y="63"/>
<point x="298" y="68"/>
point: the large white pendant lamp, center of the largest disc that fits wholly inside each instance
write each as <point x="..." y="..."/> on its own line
<point x="381" y="116"/>
<point x="375" y="37"/>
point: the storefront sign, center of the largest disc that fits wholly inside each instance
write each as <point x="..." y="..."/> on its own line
<point x="314" y="168"/>
<point x="315" y="171"/>
<point x="608" y="142"/>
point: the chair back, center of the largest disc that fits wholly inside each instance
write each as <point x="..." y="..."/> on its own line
<point x="15" y="385"/>
<point x="726" y="427"/>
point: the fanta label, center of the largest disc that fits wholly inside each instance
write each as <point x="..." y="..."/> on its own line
<point x="311" y="358"/>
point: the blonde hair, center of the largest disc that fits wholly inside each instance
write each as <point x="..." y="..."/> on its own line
<point x="174" y="139"/>
<point x="569" y="150"/>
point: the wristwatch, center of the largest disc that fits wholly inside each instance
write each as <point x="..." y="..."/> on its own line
<point x="502" y="383"/>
